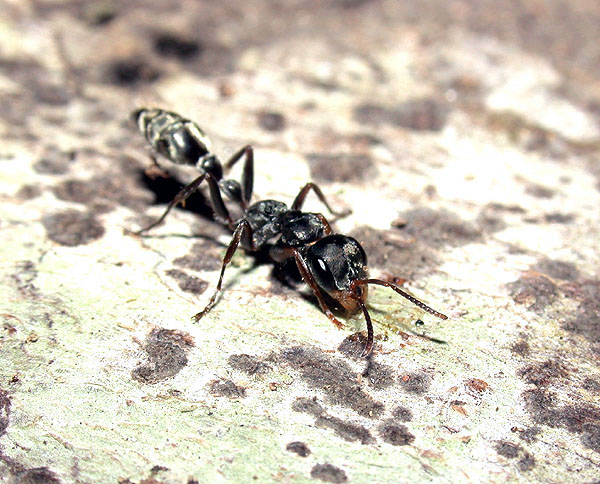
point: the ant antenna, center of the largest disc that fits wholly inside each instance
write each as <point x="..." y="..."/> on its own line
<point x="412" y="299"/>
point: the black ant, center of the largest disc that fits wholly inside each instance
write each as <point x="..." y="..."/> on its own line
<point x="182" y="142"/>
<point x="332" y="263"/>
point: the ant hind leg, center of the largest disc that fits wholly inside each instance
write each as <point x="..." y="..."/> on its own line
<point x="181" y="197"/>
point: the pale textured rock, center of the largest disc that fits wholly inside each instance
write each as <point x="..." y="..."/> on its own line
<point x="469" y="157"/>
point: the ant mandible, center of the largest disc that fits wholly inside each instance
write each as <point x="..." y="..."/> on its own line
<point x="332" y="263"/>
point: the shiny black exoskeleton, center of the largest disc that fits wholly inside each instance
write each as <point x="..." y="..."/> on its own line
<point x="182" y="142"/>
<point x="329" y="263"/>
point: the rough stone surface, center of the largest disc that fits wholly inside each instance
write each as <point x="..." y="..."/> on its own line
<point x="469" y="151"/>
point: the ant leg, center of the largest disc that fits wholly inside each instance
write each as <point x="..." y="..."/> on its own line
<point x="181" y="197"/>
<point x="243" y="227"/>
<point x="217" y="201"/>
<point x="299" y="201"/>
<point x="369" y="344"/>
<point x="325" y="223"/>
<point x="412" y="299"/>
<point x="248" y="176"/>
<point x="154" y="170"/>
<point x="309" y="279"/>
<point x="248" y="172"/>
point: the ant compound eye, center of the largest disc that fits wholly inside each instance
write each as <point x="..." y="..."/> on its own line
<point x="322" y="273"/>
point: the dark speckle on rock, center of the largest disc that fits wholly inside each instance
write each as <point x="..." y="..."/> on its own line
<point x="403" y="414"/>
<point x="526" y="463"/>
<point x="271" y="120"/>
<point x="173" y="45"/>
<point x="559" y="218"/>
<point x="203" y="256"/>
<point x="188" y="283"/>
<point x="544" y="373"/>
<point x="226" y="388"/>
<point x="419" y="114"/>
<point x="534" y="291"/>
<point x="99" y="14"/>
<point x="79" y="191"/>
<point x="591" y="385"/>
<point x="334" y="378"/>
<point x="379" y="375"/>
<point x="520" y="347"/>
<point x="557" y="269"/>
<point x="417" y="383"/>
<point x="28" y="192"/>
<point x="328" y="473"/>
<point x="54" y="162"/>
<point x="100" y="193"/>
<point x="439" y="228"/>
<point x="529" y="435"/>
<point x="395" y="434"/>
<point x="166" y="354"/>
<point x="129" y="72"/>
<point x="590" y="436"/>
<point x="579" y="418"/>
<point x="353" y="345"/>
<point x="349" y="4"/>
<point x="72" y="227"/>
<point x="507" y="449"/>
<point x="308" y="405"/>
<point x="299" y="448"/>
<point x="4" y="411"/>
<point x="585" y="320"/>
<point x="347" y="168"/>
<point x="413" y="246"/>
<point x="250" y="365"/>
<point x="393" y="252"/>
<point x="349" y="431"/>
<point x="37" y="475"/>
<point x="539" y="191"/>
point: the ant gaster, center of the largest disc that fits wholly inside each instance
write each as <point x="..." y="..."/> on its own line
<point x="335" y="264"/>
<point x="182" y="142"/>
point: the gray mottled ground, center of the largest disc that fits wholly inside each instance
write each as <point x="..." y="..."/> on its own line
<point x="465" y="137"/>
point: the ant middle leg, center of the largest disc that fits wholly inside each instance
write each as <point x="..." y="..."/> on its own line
<point x="243" y="228"/>
<point x="299" y="201"/>
<point x="181" y="197"/>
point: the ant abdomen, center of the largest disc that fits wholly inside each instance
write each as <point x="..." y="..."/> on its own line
<point x="176" y="138"/>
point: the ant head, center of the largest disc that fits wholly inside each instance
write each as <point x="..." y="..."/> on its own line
<point x="337" y="262"/>
<point x="209" y="163"/>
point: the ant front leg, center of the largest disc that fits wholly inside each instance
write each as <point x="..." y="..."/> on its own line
<point x="181" y="197"/>
<point x="310" y="280"/>
<point x="242" y="228"/>
<point x="299" y="201"/>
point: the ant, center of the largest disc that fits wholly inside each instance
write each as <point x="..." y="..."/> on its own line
<point x="182" y="142"/>
<point x="335" y="264"/>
